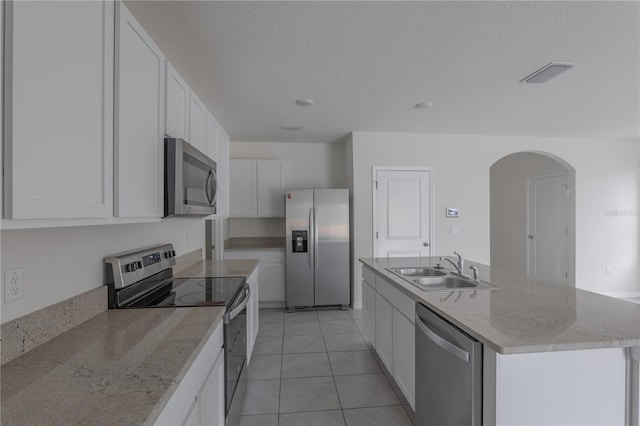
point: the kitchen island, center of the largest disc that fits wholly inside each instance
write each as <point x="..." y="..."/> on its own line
<point x="552" y="354"/>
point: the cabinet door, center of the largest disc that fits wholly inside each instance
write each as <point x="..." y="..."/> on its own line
<point x="176" y="105"/>
<point x="198" y="120"/>
<point x="369" y="312"/>
<point x="222" y="206"/>
<point x="404" y="357"/>
<point x="384" y="331"/>
<point x="211" y="400"/>
<point x="212" y="146"/>
<point x="58" y="110"/>
<point x="140" y="113"/>
<point x="270" y="188"/>
<point x="272" y="281"/>
<point x="243" y="189"/>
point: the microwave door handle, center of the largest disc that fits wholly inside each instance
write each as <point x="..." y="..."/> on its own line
<point x="206" y="188"/>
<point x="214" y="187"/>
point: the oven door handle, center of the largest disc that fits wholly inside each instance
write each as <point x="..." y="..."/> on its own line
<point x="239" y="304"/>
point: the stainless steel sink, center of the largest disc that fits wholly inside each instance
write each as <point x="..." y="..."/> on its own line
<point x="438" y="279"/>
<point x="418" y="272"/>
<point x="450" y="282"/>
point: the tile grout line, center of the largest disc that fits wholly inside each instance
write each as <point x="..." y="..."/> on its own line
<point x="281" y="370"/>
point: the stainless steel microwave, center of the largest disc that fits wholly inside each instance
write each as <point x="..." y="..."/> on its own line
<point x="190" y="181"/>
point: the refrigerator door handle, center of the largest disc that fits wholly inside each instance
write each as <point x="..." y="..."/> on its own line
<point x="311" y="227"/>
<point x="315" y="237"/>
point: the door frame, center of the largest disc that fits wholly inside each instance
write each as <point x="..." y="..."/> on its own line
<point x="374" y="171"/>
<point x="571" y="222"/>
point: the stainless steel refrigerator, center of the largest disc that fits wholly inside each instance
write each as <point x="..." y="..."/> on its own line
<point x="317" y="241"/>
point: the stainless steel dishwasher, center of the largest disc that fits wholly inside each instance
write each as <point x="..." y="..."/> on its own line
<point x="448" y="373"/>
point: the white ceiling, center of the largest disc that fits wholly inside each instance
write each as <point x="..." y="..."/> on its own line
<point x="366" y="64"/>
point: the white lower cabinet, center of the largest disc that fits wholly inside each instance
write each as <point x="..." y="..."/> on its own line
<point x="384" y="331"/>
<point x="388" y="317"/>
<point x="199" y="398"/>
<point x="253" y="312"/>
<point x="404" y="356"/>
<point x="271" y="271"/>
<point x="369" y="312"/>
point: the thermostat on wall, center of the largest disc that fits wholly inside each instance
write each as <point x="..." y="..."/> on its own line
<point x="452" y="212"/>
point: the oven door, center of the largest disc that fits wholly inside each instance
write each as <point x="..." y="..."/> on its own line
<point x="235" y="344"/>
<point x="191" y="183"/>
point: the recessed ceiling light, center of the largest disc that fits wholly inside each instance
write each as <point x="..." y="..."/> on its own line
<point x="304" y="102"/>
<point x="546" y="73"/>
<point x="291" y="127"/>
<point x="423" y="105"/>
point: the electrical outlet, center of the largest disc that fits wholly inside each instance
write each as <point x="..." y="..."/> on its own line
<point x="13" y="285"/>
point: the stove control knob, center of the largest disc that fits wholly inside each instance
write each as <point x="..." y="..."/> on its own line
<point x="139" y="265"/>
<point x="132" y="267"/>
<point x="173" y="253"/>
<point x="167" y="254"/>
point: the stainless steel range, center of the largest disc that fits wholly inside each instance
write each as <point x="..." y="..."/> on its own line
<point x="143" y="278"/>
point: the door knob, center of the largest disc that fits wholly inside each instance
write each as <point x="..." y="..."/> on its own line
<point x="530" y="237"/>
<point x="425" y="244"/>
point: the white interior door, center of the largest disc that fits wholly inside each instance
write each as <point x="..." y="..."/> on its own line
<point x="547" y="226"/>
<point x="402" y="213"/>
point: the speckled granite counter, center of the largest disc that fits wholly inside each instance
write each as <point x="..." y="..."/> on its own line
<point x="524" y="316"/>
<point x="119" y="368"/>
<point x="219" y="268"/>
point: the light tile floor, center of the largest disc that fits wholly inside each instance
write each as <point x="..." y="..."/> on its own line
<point x="314" y="368"/>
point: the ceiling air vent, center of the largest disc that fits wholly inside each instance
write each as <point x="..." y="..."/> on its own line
<point x="547" y="72"/>
<point x="291" y="127"/>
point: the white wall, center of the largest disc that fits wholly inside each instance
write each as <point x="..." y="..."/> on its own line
<point x="63" y="262"/>
<point x="508" y="207"/>
<point x="307" y="165"/>
<point x="607" y="197"/>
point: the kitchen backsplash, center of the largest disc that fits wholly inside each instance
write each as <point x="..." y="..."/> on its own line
<point x="257" y="227"/>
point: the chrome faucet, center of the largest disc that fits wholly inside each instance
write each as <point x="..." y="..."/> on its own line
<point x="460" y="266"/>
<point x="475" y="272"/>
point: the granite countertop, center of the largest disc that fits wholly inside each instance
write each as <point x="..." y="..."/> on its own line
<point x="120" y="367"/>
<point x="521" y="316"/>
<point x="255" y="243"/>
<point x="219" y="268"/>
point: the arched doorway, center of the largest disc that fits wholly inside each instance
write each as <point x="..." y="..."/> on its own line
<point x="532" y="217"/>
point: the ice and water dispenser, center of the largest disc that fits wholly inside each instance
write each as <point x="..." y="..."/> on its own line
<point x="299" y="241"/>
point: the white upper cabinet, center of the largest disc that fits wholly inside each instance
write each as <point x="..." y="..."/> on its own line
<point x="257" y="188"/>
<point x="177" y="104"/>
<point x="212" y="144"/>
<point x="198" y="123"/>
<point x="243" y="195"/>
<point x="222" y="206"/>
<point x="58" y="110"/>
<point x="139" y="137"/>
<point x="270" y="188"/>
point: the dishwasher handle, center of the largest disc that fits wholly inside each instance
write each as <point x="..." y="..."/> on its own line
<point x="443" y="343"/>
